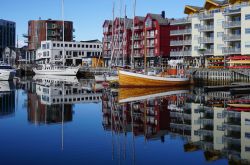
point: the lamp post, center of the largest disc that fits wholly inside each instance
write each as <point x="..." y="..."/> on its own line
<point x="202" y="60"/>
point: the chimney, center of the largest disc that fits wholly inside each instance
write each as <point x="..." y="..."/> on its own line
<point x="163" y="14"/>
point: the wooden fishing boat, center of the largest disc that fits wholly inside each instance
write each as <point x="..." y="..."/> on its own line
<point x="135" y="94"/>
<point x="239" y="105"/>
<point x="130" y="79"/>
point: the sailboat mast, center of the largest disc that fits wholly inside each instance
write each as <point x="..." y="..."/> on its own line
<point x="124" y="36"/>
<point x="145" y="49"/>
<point x="63" y="53"/>
<point x="133" y="33"/>
<point x="112" y="37"/>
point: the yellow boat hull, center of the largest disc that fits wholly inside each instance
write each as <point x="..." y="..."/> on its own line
<point x="128" y="79"/>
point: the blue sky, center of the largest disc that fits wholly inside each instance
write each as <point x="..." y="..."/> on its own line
<point x="87" y="15"/>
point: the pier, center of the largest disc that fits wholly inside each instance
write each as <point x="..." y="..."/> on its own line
<point x="221" y="74"/>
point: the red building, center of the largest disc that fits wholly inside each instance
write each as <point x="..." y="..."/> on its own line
<point x="38" y="30"/>
<point x="107" y="41"/>
<point x="155" y="45"/>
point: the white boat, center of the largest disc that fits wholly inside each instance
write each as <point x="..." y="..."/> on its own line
<point x="7" y="72"/>
<point x="54" y="79"/>
<point x="48" y="69"/>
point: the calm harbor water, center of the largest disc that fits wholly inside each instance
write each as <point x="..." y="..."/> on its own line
<point x="45" y="121"/>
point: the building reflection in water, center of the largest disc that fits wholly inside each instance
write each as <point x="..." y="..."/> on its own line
<point x="51" y="101"/>
<point x="7" y="99"/>
<point x="205" y="121"/>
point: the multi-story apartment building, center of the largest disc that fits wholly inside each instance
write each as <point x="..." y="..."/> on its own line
<point x="122" y="40"/>
<point x="76" y="53"/>
<point x="107" y="41"/>
<point x="151" y="39"/>
<point x="219" y="29"/>
<point x="42" y="30"/>
<point x="7" y="35"/>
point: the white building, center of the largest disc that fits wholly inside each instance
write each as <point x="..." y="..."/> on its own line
<point x="75" y="53"/>
<point x="219" y="29"/>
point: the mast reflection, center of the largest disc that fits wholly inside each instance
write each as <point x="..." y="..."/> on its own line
<point x="216" y="123"/>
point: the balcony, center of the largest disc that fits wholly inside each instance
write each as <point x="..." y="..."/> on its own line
<point x="138" y="55"/>
<point x="181" y="21"/>
<point x="232" y="37"/>
<point x="206" y="28"/>
<point x="231" y="50"/>
<point x="151" y="45"/>
<point x="150" y="54"/>
<point x="232" y="11"/>
<point x="136" y="46"/>
<point x="209" y="52"/>
<point x="206" y="40"/>
<point x="180" y="42"/>
<point x="180" y="53"/>
<point x="206" y="16"/>
<point x="181" y="32"/>
<point x="136" y="38"/>
<point x="232" y="24"/>
<point x="138" y="28"/>
<point x="107" y="39"/>
<point x="151" y="36"/>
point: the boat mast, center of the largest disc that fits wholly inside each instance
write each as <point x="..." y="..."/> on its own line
<point x="63" y="30"/>
<point x="145" y="49"/>
<point x="124" y="36"/>
<point x="112" y="37"/>
<point x="133" y="33"/>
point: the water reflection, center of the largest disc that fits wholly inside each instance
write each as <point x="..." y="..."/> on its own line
<point x="206" y="122"/>
<point x="51" y="99"/>
<point x="7" y="99"/>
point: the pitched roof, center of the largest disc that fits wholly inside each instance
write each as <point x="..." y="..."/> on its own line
<point x="159" y="18"/>
<point x="140" y="18"/>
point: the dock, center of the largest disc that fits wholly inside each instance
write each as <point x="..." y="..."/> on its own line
<point x="226" y="87"/>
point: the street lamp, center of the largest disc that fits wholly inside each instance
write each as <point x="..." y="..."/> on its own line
<point x="202" y="60"/>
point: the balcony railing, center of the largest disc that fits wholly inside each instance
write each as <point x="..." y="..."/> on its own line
<point x="231" y="50"/>
<point x="151" y="45"/>
<point x="209" y="52"/>
<point x="204" y="40"/>
<point x="206" y="28"/>
<point x="181" y="32"/>
<point x="181" y="21"/>
<point x="205" y="16"/>
<point x="150" y="54"/>
<point x="150" y="35"/>
<point x="180" y="53"/>
<point x="232" y="10"/>
<point x="180" y="42"/>
<point x="136" y="38"/>
<point x="232" y="24"/>
<point x="232" y="37"/>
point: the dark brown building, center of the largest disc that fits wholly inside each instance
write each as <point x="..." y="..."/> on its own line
<point x="53" y="29"/>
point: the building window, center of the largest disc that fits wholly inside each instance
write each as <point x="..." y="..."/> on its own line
<point x="78" y="45"/>
<point x="87" y="46"/>
<point x="247" y="17"/>
<point x="94" y="46"/>
<point x="58" y="45"/>
<point x="70" y="45"/>
<point x="82" y="46"/>
<point x="66" y="45"/>
<point x="220" y="34"/>
<point x="247" y="44"/>
<point x="97" y="46"/>
<point x="220" y="46"/>
<point x="54" y="45"/>
<point x="247" y="121"/>
<point x="196" y="26"/>
<point x="90" y="46"/>
<point x="247" y="30"/>
<point x="74" y="45"/>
